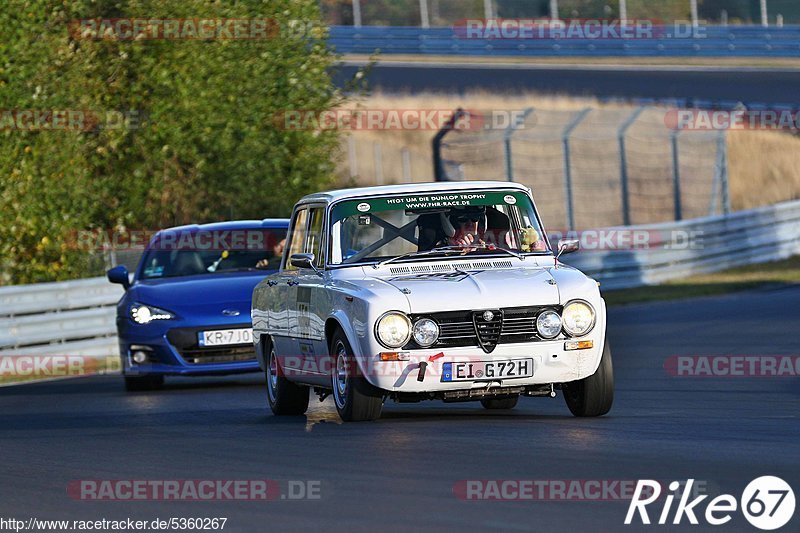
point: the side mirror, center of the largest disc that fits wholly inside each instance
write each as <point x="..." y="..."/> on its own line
<point x="302" y="260"/>
<point x="567" y="247"/>
<point x="119" y="274"/>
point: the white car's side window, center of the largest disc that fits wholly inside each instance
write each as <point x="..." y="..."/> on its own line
<point x="306" y="235"/>
<point x="297" y="237"/>
<point x="336" y="243"/>
<point x="314" y="236"/>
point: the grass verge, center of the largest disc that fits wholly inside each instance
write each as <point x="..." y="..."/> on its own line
<point x="779" y="273"/>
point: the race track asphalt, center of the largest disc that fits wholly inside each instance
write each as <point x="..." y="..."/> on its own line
<point x="399" y="472"/>
<point x="749" y="85"/>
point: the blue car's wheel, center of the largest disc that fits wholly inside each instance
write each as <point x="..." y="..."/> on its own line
<point x="284" y="397"/>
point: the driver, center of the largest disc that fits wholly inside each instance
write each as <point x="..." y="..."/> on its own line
<point x="465" y="227"/>
<point x="472" y="227"/>
<point x="466" y="222"/>
<point x="273" y="262"/>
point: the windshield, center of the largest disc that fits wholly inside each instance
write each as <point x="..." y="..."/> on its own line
<point x="378" y="229"/>
<point x="177" y="254"/>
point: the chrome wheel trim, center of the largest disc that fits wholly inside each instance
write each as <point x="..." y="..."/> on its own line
<point x="272" y="376"/>
<point x="339" y="376"/>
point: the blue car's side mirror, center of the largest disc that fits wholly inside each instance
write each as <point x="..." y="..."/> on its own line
<point x="119" y="274"/>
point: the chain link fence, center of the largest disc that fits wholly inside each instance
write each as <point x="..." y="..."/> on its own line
<point x="595" y="168"/>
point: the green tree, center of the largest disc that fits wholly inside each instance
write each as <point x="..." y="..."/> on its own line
<point x="208" y="144"/>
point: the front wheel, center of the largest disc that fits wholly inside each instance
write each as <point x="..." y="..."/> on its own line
<point x="284" y="397"/>
<point x="592" y="396"/>
<point x="355" y="398"/>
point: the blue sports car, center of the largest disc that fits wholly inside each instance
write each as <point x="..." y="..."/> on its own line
<point x="187" y="309"/>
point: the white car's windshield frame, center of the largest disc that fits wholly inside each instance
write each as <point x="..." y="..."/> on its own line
<point x="329" y="225"/>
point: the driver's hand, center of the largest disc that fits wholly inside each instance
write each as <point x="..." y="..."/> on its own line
<point x="466" y="241"/>
<point x="264" y="263"/>
<point x="462" y="240"/>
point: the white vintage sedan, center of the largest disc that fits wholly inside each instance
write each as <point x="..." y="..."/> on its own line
<point x="445" y="291"/>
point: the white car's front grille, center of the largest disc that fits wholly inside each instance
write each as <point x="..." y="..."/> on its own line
<point x="469" y="328"/>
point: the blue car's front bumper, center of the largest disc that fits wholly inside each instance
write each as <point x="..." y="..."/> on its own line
<point x="172" y="348"/>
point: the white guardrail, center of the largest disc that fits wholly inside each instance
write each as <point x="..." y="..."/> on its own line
<point x="77" y="317"/>
<point x="65" y="318"/>
<point x="701" y="245"/>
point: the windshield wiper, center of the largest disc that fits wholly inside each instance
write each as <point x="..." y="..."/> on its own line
<point x="440" y="250"/>
<point x="493" y="248"/>
<point x="448" y="249"/>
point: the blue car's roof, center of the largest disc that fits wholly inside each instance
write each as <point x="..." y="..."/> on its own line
<point x="230" y="225"/>
<point x="234" y="225"/>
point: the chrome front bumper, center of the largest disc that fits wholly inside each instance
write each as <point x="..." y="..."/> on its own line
<point x="551" y="364"/>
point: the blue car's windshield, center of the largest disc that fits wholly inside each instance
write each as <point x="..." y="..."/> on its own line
<point x="191" y="254"/>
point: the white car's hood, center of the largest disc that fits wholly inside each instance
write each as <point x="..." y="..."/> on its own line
<point x="483" y="289"/>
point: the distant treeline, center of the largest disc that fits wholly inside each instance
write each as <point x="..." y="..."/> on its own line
<point x="103" y="133"/>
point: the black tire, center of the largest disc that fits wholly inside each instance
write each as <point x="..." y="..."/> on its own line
<point x="592" y="396"/>
<point x="143" y="383"/>
<point x="500" y="403"/>
<point x="284" y="397"/>
<point x="355" y="398"/>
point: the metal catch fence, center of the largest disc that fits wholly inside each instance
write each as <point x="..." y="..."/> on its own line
<point x="593" y="168"/>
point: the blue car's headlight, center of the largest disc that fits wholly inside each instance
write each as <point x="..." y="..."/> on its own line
<point x="144" y="314"/>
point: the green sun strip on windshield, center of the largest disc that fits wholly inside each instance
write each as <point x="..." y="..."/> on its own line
<point x="421" y="202"/>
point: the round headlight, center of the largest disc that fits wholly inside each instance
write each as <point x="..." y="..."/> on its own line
<point x="548" y="324"/>
<point x="426" y="332"/>
<point x="578" y="318"/>
<point x="393" y="329"/>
